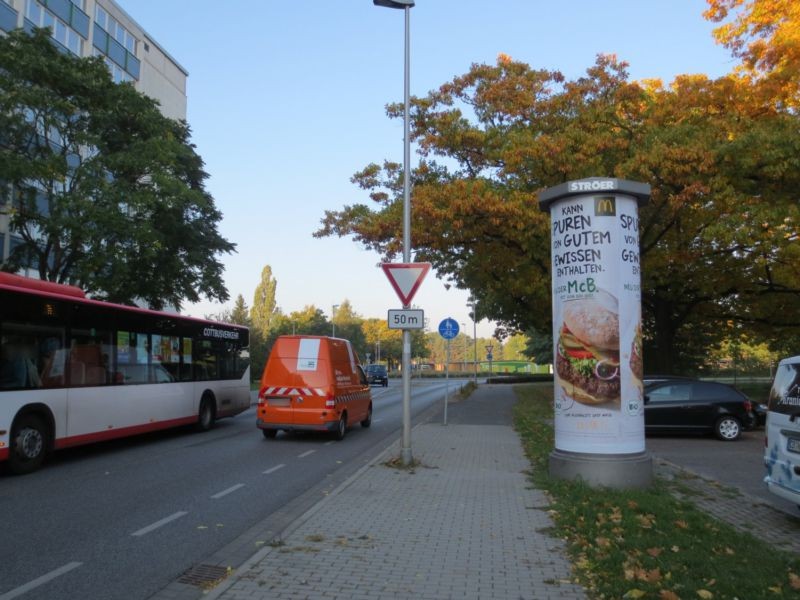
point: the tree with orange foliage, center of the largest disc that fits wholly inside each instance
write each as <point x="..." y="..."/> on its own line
<point x="718" y="239"/>
<point x="765" y="35"/>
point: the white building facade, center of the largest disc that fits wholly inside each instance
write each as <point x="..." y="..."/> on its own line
<point x="100" y="28"/>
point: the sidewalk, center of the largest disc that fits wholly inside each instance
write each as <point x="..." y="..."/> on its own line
<point x="463" y="524"/>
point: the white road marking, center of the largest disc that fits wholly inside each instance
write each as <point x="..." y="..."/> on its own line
<point x="329" y="443"/>
<point x="306" y="453"/>
<point x="228" y="491"/>
<point x="24" y="589"/>
<point x="273" y="469"/>
<point x="157" y="524"/>
<point x="377" y="420"/>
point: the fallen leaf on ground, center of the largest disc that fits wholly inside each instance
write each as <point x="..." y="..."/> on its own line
<point x="794" y="581"/>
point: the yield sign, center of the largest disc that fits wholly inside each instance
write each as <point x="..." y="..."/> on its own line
<point x="406" y="278"/>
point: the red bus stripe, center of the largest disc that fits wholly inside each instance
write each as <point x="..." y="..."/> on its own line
<point x="110" y="434"/>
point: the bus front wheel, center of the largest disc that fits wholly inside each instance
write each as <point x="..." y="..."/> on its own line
<point x="28" y="444"/>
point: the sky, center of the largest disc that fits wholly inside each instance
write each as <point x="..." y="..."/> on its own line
<point x="286" y="101"/>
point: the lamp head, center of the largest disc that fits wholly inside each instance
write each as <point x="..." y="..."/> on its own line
<point x="394" y="3"/>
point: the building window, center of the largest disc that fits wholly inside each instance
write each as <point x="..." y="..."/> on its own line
<point x="115" y="29"/>
<point x="61" y="32"/>
<point x="80" y="4"/>
<point x="118" y="74"/>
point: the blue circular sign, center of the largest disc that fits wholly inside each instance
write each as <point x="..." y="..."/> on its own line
<point x="448" y="329"/>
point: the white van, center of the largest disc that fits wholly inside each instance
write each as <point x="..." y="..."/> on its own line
<point x="782" y="446"/>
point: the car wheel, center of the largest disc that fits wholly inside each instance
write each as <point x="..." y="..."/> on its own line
<point x="341" y="427"/>
<point x="368" y="420"/>
<point x="269" y="433"/>
<point x="28" y="445"/>
<point x="728" y="428"/>
<point x="386" y="383"/>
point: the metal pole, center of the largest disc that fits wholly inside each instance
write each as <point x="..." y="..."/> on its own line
<point x="405" y="456"/>
<point x="464" y="328"/>
<point x="475" y="342"/>
<point x="446" y="381"/>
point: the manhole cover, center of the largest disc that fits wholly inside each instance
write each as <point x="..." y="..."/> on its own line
<point x="204" y="576"/>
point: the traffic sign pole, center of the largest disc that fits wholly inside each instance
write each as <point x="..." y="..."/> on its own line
<point x="406" y="278"/>
<point x="446" y="381"/>
<point x="448" y="329"/>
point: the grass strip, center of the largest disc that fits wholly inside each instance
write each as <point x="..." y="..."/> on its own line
<point x="646" y="543"/>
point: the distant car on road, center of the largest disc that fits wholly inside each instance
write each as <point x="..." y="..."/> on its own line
<point x="675" y="405"/>
<point x="377" y="374"/>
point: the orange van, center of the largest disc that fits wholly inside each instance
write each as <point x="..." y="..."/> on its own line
<point x="313" y="383"/>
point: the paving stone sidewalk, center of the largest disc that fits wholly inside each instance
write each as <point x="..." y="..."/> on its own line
<point x="463" y="524"/>
<point x="743" y="511"/>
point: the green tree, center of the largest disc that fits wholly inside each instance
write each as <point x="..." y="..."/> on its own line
<point x="539" y="347"/>
<point x="349" y="326"/>
<point x="379" y="338"/>
<point x="264" y="306"/>
<point x="310" y="321"/>
<point x="106" y="192"/>
<point x="515" y="347"/>
<point x="240" y="314"/>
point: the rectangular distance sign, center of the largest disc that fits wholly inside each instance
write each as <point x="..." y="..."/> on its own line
<point x="406" y="318"/>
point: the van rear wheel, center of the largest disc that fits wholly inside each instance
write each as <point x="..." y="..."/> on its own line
<point x="368" y="419"/>
<point x="341" y="427"/>
<point x="269" y="433"/>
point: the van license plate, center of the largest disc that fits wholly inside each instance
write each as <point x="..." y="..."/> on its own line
<point x="793" y="445"/>
<point x="284" y="402"/>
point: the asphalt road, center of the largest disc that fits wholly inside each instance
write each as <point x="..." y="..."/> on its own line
<point x="739" y="463"/>
<point x="123" y="519"/>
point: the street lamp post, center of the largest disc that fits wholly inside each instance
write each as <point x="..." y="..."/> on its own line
<point x="475" y="341"/>
<point x="405" y="5"/>
<point x="464" y="328"/>
<point x="333" y="323"/>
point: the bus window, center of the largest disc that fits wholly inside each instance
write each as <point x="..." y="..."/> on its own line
<point x="186" y="359"/>
<point x="90" y="357"/>
<point x="165" y="358"/>
<point x="132" y="357"/>
<point x="205" y="361"/>
<point x="31" y="357"/>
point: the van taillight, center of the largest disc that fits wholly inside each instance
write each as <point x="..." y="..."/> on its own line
<point x="330" y="402"/>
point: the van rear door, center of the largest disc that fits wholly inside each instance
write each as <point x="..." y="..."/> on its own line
<point x="782" y="453"/>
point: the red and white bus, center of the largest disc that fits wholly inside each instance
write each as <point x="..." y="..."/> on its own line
<point x="75" y="370"/>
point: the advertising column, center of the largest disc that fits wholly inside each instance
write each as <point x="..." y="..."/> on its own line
<point x="597" y="332"/>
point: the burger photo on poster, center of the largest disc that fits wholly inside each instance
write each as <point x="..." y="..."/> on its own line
<point x="587" y="359"/>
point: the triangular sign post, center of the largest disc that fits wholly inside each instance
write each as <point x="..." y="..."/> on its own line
<point x="406" y="278"/>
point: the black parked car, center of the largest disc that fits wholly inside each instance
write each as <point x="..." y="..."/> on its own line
<point x="377" y="374"/>
<point x="691" y="405"/>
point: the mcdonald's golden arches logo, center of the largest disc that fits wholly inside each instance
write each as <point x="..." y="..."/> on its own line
<point x="605" y="206"/>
